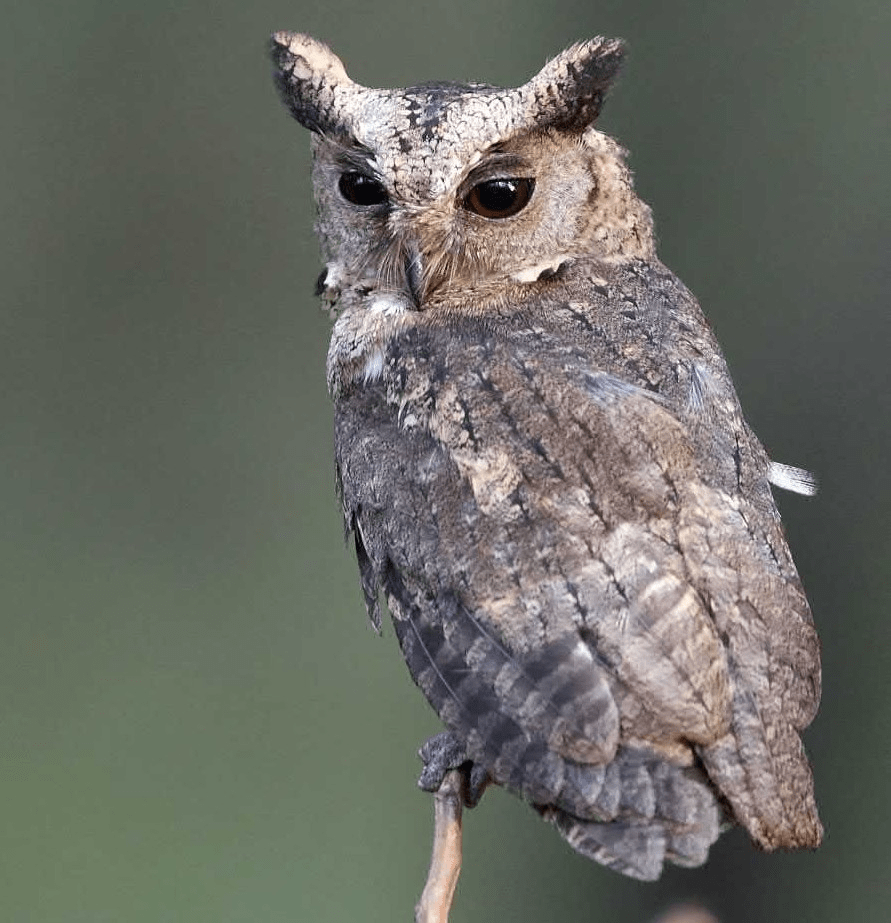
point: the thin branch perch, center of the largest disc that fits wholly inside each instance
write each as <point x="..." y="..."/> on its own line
<point x="445" y="863"/>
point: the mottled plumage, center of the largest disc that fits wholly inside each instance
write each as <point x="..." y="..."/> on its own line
<point x="545" y="467"/>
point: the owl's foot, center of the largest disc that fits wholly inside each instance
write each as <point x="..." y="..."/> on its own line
<point x="444" y="752"/>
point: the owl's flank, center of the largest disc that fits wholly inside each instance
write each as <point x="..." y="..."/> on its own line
<point x="545" y="468"/>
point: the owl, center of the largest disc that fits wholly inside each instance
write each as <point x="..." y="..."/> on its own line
<point x="545" y="468"/>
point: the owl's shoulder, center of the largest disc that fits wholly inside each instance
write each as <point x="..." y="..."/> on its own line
<point x="634" y="320"/>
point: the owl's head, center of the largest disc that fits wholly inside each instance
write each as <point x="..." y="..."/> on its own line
<point x="445" y="187"/>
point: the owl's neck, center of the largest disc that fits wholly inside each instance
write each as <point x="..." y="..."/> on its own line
<point x="620" y="224"/>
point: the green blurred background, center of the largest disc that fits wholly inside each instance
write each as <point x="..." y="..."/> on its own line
<point x="197" y="722"/>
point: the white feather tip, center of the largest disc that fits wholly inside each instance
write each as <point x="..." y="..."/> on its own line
<point x="787" y="477"/>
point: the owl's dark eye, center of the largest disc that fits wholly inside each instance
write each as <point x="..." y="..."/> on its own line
<point x="499" y="198"/>
<point x="361" y="189"/>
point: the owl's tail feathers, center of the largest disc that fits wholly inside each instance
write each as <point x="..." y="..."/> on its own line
<point x="768" y="783"/>
<point x="650" y="811"/>
<point x="634" y="849"/>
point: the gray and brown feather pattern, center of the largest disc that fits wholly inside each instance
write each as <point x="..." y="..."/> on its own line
<point x="546" y="470"/>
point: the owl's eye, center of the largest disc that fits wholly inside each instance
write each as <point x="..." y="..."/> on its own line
<point x="499" y="198"/>
<point x="361" y="189"/>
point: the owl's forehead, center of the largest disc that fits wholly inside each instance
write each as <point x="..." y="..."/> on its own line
<point x="424" y="138"/>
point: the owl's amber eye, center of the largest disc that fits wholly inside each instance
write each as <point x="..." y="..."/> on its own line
<point x="361" y="189"/>
<point x="499" y="198"/>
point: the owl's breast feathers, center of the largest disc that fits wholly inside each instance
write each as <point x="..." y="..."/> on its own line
<point x="572" y="526"/>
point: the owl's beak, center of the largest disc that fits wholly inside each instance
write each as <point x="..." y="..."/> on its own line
<point x="414" y="275"/>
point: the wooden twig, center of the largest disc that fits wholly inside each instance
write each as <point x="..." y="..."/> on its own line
<point x="445" y="863"/>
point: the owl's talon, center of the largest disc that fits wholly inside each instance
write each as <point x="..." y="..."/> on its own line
<point x="444" y="752"/>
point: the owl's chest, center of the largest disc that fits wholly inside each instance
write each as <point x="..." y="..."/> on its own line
<point x="537" y="421"/>
<point x="519" y="432"/>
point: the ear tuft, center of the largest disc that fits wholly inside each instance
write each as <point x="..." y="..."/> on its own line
<point x="568" y="92"/>
<point x="307" y="74"/>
